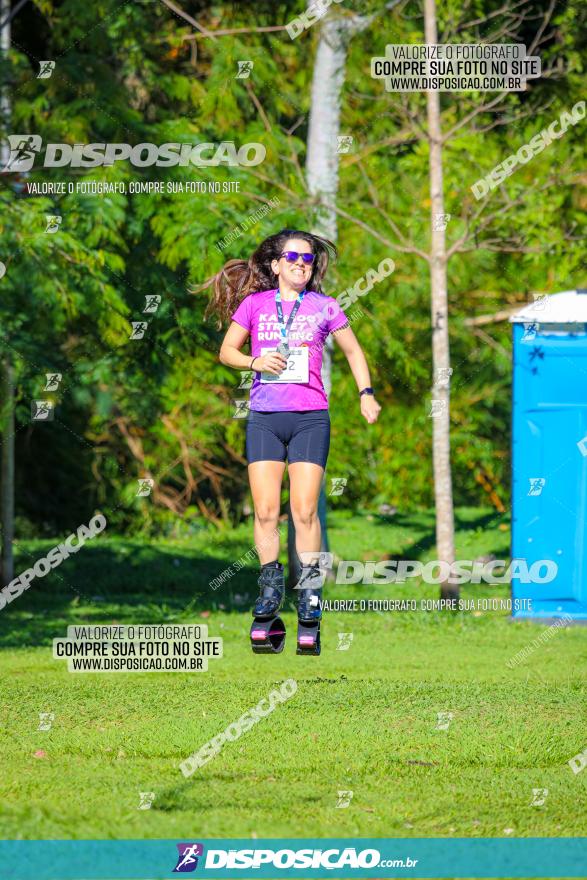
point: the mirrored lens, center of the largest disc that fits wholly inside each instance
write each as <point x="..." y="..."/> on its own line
<point x="292" y="256"/>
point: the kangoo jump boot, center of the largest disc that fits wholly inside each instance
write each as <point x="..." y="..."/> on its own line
<point x="268" y="629"/>
<point x="309" y="611"/>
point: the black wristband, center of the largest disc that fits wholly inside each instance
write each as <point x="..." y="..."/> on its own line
<point x="366" y="391"/>
<point x="253" y="361"/>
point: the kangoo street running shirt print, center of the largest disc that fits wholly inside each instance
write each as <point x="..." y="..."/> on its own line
<point x="318" y="315"/>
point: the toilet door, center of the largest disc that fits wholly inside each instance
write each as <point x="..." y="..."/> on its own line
<point x="550" y="497"/>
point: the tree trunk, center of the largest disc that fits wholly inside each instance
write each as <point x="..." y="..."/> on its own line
<point x="7" y="475"/>
<point x="322" y="177"/>
<point x="440" y="341"/>
<point x="5" y="107"/>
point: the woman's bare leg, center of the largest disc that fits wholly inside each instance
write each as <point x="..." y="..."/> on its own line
<point x="265" y="478"/>
<point x="305" y="482"/>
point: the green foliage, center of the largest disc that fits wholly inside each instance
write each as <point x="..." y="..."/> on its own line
<point x="160" y="407"/>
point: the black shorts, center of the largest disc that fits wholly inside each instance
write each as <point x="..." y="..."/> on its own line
<point x="299" y="436"/>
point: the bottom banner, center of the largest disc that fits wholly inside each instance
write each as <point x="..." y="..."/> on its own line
<point x="360" y="857"/>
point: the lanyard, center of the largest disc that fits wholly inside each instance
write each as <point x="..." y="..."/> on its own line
<point x="285" y="328"/>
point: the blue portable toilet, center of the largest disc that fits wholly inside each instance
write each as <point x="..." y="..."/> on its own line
<point x="549" y="455"/>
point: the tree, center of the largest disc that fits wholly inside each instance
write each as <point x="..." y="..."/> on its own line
<point x="445" y="541"/>
<point x="7" y="414"/>
<point x="41" y="301"/>
<point x="161" y="406"/>
<point x="322" y="163"/>
<point x="467" y="117"/>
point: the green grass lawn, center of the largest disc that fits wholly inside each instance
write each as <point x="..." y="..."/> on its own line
<point x="363" y="720"/>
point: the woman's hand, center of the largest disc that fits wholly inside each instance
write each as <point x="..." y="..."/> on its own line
<point x="370" y="408"/>
<point x="270" y="363"/>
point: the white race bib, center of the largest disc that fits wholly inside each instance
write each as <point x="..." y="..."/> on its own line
<point x="297" y="369"/>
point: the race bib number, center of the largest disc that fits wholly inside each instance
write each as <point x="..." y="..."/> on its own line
<point x="297" y="369"/>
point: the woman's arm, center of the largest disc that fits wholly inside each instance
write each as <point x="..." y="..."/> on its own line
<point x="349" y="343"/>
<point x="231" y="356"/>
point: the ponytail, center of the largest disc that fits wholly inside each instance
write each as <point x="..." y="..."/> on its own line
<point x="238" y="278"/>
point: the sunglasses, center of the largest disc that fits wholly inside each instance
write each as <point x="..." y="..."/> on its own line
<point x="292" y="257"/>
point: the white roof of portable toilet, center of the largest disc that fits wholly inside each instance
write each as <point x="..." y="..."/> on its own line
<point x="568" y="307"/>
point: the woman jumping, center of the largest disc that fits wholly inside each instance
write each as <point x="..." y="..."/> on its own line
<point x="275" y="298"/>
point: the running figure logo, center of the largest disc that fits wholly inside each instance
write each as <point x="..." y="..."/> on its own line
<point x="444" y="719"/>
<point x="240" y="408"/>
<point x="244" y="69"/>
<point x="145" y="486"/>
<point x="529" y="332"/>
<point x="146" y="799"/>
<point x="53" y="380"/>
<point x="440" y="222"/>
<point x="152" y="302"/>
<point x="443" y="375"/>
<point x="344" y="641"/>
<point x="188" y="857"/>
<point x="539" y="796"/>
<point x="540" y="301"/>
<point x="42" y="410"/>
<point x="437" y="408"/>
<point x="344" y="799"/>
<point x="46" y="68"/>
<point x="138" y="329"/>
<point x="53" y="223"/>
<point x="344" y="143"/>
<point x="23" y="149"/>
<point x="46" y="719"/>
<point x="338" y="485"/>
<point x="246" y="379"/>
<point x="537" y="484"/>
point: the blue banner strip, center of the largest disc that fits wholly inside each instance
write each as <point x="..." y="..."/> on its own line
<point x="280" y="857"/>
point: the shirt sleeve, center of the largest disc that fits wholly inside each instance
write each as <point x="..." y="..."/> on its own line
<point x="336" y="317"/>
<point x="242" y="315"/>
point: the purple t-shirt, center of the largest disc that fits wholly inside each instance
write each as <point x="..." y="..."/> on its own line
<point x="317" y="316"/>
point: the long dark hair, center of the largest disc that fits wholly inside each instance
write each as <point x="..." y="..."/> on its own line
<point x="238" y="278"/>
